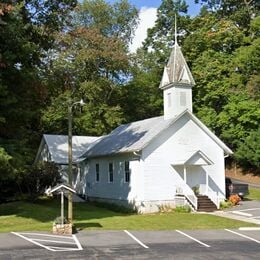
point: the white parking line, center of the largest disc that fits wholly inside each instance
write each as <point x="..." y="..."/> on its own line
<point x="249" y="228"/>
<point x="30" y="240"/>
<point x="250" y="238"/>
<point x="137" y="240"/>
<point x="53" y="241"/>
<point x="192" y="238"/>
<point x="77" y="242"/>
<point x="37" y="241"/>
<point x="242" y="213"/>
<point x="42" y="234"/>
<point x="249" y="209"/>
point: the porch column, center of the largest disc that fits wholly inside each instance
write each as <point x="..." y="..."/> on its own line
<point x="207" y="182"/>
<point x="185" y="174"/>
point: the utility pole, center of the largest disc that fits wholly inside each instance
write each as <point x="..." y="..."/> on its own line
<point x="70" y="202"/>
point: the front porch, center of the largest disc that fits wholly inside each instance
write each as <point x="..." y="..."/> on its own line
<point x="198" y="188"/>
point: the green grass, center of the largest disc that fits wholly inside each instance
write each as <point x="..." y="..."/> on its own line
<point x="25" y="216"/>
<point x="254" y="194"/>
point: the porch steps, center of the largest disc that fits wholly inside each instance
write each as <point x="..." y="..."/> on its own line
<point x="205" y="204"/>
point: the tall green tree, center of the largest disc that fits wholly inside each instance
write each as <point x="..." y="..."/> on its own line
<point x="90" y="61"/>
<point x="27" y="31"/>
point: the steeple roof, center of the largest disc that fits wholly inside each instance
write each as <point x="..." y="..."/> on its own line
<point x="176" y="72"/>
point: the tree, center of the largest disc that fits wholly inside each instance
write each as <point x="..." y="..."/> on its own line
<point x="90" y="61"/>
<point x="37" y="178"/>
<point x="27" y="30"/>
<point x="117" y="20"/>
<point x="7" y="176"/>
<point x="248" y="152"/>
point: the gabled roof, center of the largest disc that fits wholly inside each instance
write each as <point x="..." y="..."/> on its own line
<point x="137" y="135"/>
<point x="58" y="147"/>
<point x="176" y="72"/>
<point x="194" y="158"/>
<point x="62" y="187"/>
<point x="129" y="137"/>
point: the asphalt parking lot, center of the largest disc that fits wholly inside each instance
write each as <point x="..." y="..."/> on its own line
<point x="248" y="211"/>
<point x="174" y="244"/>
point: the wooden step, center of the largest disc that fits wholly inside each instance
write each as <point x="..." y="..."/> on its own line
<point x="205" y="204"/>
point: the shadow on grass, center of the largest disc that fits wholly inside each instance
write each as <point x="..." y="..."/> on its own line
<point x="47" y="209"/>
<point x="84" y="225"/>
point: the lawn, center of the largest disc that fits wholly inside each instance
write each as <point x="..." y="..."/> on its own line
<point x="25" y="216"/>
<point x="254" y="194"/>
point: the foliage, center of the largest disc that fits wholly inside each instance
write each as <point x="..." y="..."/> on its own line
<point x="7" y="176"/>
<point x="112" y="20"/>
<point x="234" y="199"/>
<point x="225" y="204"/>
<point x="183" y="209"/>
<point x="248" y="153"/>
<point x="27" y="30"/>
<point x="90" y="62"/>
<point x="38" y="178"/>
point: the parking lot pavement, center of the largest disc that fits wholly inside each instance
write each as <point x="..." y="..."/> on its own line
<point x="248" y="211"/>
<point x="51" y="242"/>
<point x="124" y="244"/>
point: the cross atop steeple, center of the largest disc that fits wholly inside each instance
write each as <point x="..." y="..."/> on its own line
<point x="176" y="71"/>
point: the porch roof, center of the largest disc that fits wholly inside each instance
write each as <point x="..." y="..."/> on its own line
<point x="194" y="158"/>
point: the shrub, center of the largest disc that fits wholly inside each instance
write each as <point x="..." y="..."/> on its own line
<point x="234" y="199"/>
<point x="38" y="177"/>
<point x="225" y="204"/>
<point x="183" y="209"/>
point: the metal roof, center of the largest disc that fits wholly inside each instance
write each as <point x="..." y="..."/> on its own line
<point x="58" y="146"/>
<point x="135" y="136"/>
<point x="176" y="71"/>
<point x="129" y="137"/>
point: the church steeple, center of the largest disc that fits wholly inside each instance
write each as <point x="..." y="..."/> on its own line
<point x="176" y="83"/>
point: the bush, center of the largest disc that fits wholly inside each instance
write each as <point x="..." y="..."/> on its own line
<point x="234" y="199"/>
<point x="37" y="178"/>
<point x="183" y="209"/>
<point x="225" y="204"/>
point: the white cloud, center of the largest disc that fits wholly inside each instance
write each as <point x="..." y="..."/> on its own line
<point x="147" y="17"/>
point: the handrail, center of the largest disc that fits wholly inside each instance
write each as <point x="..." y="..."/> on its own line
<point x="213" y="197"/>
<point x="189" y="195"/>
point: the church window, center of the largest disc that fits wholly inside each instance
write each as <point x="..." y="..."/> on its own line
<point x="169" y="100"/>
<point x="110" y="173"/>
<point x="97" y="172"/>
<point x="127" y="171"/>
<point x="182" y="99"/>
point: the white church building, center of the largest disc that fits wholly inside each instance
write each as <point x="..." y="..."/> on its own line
<point x="168" y="160"/>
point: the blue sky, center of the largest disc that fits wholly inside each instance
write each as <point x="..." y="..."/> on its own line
<point x="147" y="15"/>
<point x="193" y="8"/>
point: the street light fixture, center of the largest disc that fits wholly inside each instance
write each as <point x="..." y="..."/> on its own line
<point x="70" y="107"/>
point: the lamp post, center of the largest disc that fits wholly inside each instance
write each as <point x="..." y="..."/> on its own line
<point x="70" y="206"/>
